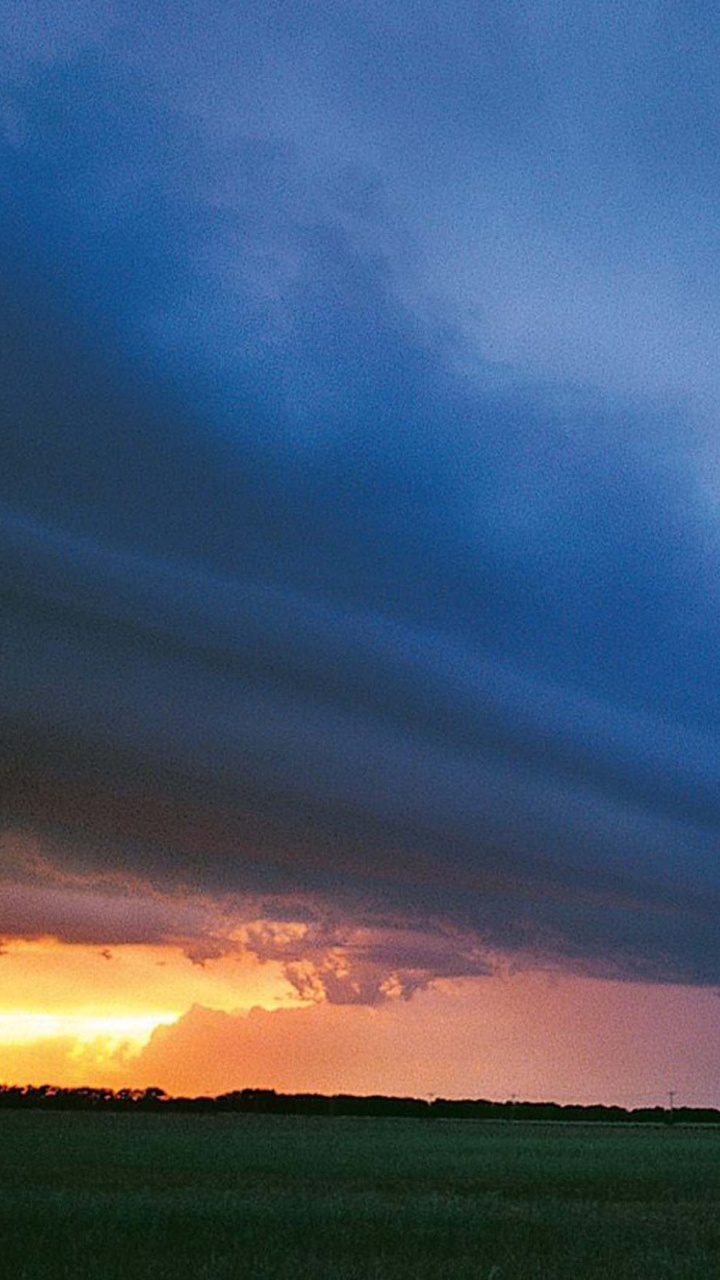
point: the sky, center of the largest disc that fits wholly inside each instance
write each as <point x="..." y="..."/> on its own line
<point x="360" y="547"/>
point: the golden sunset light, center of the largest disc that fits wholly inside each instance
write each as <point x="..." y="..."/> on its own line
<point x="71" y="1005"/>
<point x="113" y="1029"/>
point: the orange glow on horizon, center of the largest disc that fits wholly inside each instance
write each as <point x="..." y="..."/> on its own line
<point x="140" y="1016"/>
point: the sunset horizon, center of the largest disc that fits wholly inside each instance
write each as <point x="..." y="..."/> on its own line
<point x="360" y="549"/>
<point x="484" y="1038"/>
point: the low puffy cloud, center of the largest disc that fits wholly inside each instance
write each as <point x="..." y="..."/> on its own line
<point x="323" y="1048"/>
<point x="526" y="1034"/>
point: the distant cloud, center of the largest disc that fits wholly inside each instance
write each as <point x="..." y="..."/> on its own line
<point x="324" y="1047"/>
<point x="530" y="1034"/>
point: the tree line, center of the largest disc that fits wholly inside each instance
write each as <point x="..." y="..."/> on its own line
<point x="268" y="1102"/>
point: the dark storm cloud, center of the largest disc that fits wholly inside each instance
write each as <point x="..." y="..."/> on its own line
<point x="301" y="594"/>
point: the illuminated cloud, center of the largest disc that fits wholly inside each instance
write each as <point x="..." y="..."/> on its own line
<point x="345" y="963"/>
<point x="530" y="1035"/>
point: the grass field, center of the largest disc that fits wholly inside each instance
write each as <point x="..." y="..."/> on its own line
<point x="274" y="1198"/>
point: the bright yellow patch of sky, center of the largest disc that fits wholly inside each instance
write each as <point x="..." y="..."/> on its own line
<point x="105" y="1002"/>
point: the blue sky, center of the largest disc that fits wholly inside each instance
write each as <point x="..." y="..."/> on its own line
<point x="359" y="468"/>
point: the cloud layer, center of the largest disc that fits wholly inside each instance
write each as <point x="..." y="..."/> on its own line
<point x="358" y="488"/>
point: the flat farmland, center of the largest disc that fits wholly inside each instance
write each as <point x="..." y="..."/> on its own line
<point x="213" y="1197"/>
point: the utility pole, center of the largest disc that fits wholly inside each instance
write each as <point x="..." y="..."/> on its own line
<point x="671" y="1099"/>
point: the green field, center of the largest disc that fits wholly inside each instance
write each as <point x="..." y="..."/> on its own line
<point x="170" y="1197"/>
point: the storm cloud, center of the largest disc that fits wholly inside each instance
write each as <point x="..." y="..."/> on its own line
<point x="359" y="544"/>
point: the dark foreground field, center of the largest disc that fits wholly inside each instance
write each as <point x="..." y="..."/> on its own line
<point x="272" y="1198"/>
